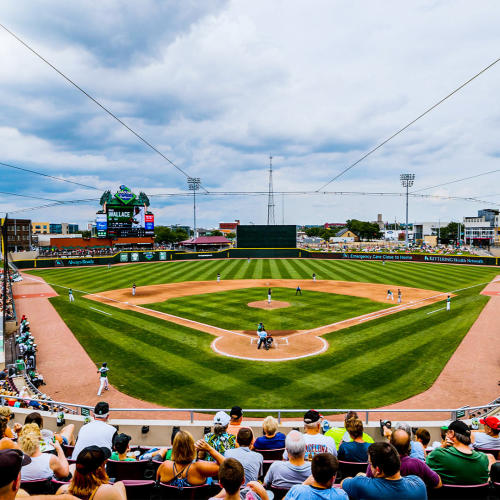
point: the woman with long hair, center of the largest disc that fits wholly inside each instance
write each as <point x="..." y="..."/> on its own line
<point x="90" y="481"/>
<point x="184" y="470"/>
<point x="5" y="442"/>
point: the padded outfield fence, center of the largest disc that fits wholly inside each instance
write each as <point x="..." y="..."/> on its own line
<point x="127" y="256"/>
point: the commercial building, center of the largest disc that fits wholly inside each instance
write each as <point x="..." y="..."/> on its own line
<point x="483" y="230"/>
<point x="40" y="227"/>
<point x="18" y="235"/>
<point x="63" y="228"/>
<point x="428" y="232"/>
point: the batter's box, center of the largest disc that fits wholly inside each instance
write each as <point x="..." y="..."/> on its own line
<point x="276" y="341"/>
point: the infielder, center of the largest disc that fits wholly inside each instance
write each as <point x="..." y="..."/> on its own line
<point x="133" y="290"/>
<point x="70" y="295"/>
<point x="399" y="296"/>
<point x="269" y="296"/>
<point x="390" y="295"/>
<point x="298" y="291"/>
<point x="448" y="303"/>
<point x="218" y="277"/>
<point x="314" y="277"/>
<point x="103" y="377"/>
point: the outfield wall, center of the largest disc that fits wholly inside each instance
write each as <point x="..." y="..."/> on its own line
<point x="128" y="256"/>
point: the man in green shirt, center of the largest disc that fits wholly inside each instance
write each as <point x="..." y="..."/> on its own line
<point x="457" y="463"/>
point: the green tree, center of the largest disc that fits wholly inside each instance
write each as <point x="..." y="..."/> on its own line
<point x="449" y="233"/>
<point x="365" y="230"/>
<point x="231" y="236"/>
<point x="314" y="231"/>
<point x="215" y="232"/>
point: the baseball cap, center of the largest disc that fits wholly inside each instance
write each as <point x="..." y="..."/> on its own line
<point x="101" y="409"/>
<point x="492" y="422"/>
<point x="459" y="426"/>
<point x="91" y="458"/>
<point x="221" y="418"/>
<point x="236" y="411"/>
<point x="311" y="416"/>
<point x="11" y="462"/>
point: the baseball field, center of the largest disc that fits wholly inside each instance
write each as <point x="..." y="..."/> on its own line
<point x="159" y="348"/>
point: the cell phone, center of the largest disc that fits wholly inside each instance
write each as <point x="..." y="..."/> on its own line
<point x="384" y="423"/>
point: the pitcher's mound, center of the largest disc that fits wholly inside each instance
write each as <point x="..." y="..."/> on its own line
<point x="262" y="304"/>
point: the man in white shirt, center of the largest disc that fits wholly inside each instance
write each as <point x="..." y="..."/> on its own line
<point x="96" y="433"/>
<point x="315" y="441"/>
<point x="490" y="438"/>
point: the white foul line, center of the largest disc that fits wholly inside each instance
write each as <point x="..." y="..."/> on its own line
<point x="436" y="310"/>
<point x="98" y="310"/>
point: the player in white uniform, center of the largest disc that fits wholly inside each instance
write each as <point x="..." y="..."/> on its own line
<point x="70" y="295"/>
<point x="448" y="303"/>
<point x="399" y="296"/>
<point x="269" y="296"/>
<point x="103" y="378"/>
<point x="218" y="277"/>
<point x="390" y="295"/>
<point x="133" y="290"/>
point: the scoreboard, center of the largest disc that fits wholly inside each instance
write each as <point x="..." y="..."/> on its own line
<point x="260" y="236"/>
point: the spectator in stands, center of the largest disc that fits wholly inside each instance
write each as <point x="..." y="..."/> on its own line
<point x="340" y="434"/>
<point x="183" y="470"/>
<point x="457" y="463"/>
<point x="315" y="441"/>
<point x="64" y="436"/>
<point x="271" y="440"/>
<point x="236" y="415"/>
<point x="232" y="478"/>
<point x="285" y="474"/>
<point x="220" y="439"/>
<point x="4" y="374"/>
<point x="90" y="480"/>
<point x="324" y="467"/>
<point x="400" y="439"/>
<point x="122" y="448"/>
<point x="489" y="439"/>
<point x="43" y="465"/>
<point x="252" y="461"/>
<point x="439" y="444"/>
<point x="387" y="482"/>
<point x="98" y="432"/>
<point x="6" y="413"/>
<point x="416" y="449"/>
<point x="423" y="437"/>
<point x="5" y="442"/>
<point x="357" y="449"/>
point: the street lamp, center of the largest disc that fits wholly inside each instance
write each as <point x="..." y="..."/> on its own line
<point x="194" y="185"/>
<point x="407" y="182"/>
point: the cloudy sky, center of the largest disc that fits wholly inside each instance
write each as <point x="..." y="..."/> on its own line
<point x="218" y="85"/>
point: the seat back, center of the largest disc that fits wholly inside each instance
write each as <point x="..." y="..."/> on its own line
<point x="129" y="470"/>
<point x="279" y="493"/>
<point x="350" y="469"/>
<point x="276" y="454"/>
<point x="169" y="492"/>
<point x="68" y="450"/>
<point x="461" y="491"/>
<point x="139" y="489"/>
<point x="495" y="453"/>
<point x="38" y="487"/>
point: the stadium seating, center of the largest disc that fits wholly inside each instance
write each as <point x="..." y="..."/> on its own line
<point x="167" y="492"/>
<point x="350" y="469"/>
<point x="139" y="489"/>
<point x="138" y="470"/>
<point x="39" y="487"/>
<point x="279" y="493"/>
<point x="469" y="492"/>
<point x="276" y="454"/>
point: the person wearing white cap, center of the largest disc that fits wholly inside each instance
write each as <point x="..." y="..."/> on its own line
<point x="220" y="439"/>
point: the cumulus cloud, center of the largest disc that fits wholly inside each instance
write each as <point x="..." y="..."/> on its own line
<point x="219" y="85"/>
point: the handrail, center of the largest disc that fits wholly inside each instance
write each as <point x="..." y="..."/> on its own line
<point x="192" y="411"/>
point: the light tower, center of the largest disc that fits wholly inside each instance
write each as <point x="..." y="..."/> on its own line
<point x="194" y="185"/>
<point x="407" y="182"/>
<point x="270" y="198"/>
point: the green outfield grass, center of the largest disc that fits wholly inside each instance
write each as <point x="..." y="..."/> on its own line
<point x="230" y="310"/>
<point x="371" y="364"/>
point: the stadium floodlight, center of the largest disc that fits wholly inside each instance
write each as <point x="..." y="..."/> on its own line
<point x="194" y="185"/>
<point x="407" y="182"/>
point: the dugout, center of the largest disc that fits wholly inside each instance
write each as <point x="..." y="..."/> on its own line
<point x="261" y="236"/>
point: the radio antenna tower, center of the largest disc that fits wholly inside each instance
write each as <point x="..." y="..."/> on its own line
<point x="270" y="199"/>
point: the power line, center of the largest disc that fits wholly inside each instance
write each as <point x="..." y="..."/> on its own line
<point x="409" y="124"/>
<point x="104" y="108"/>
<point x="457" y="180"/>
<point x="47" y="175"/>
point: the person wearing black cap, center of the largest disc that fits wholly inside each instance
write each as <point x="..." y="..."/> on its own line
<point x="457" y="463"/>
<point x="315" y="441"/>
<point x="98" y="432"/>
<point x="11" y="462"/>
<point x="90" y="481"/>
<point x="236" y="415"/>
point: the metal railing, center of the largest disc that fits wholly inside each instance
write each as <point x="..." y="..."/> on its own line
<point x="462" y="412"/>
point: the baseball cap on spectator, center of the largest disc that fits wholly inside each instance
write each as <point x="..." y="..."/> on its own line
<point x="221" y="418"/>
<point x="460" y="427"/>
<point x="91" y="458"/>
<point x="236" y="412"/>
<point x="11" y="462"/>
<point x="101" y="409"/>
<point x="311" y="416"/>
<point x="492" y="422"/>
<point x="121" y="441"/>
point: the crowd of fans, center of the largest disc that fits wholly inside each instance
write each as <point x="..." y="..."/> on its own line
<point x="9" y="311"/>
<point x="403" y="464"/>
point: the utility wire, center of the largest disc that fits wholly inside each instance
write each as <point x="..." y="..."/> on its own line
<point x="47" y="175"/>
<point x="456" y="180"/>
<point x="104" y="108"/>
<point x="409" y="124"/>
